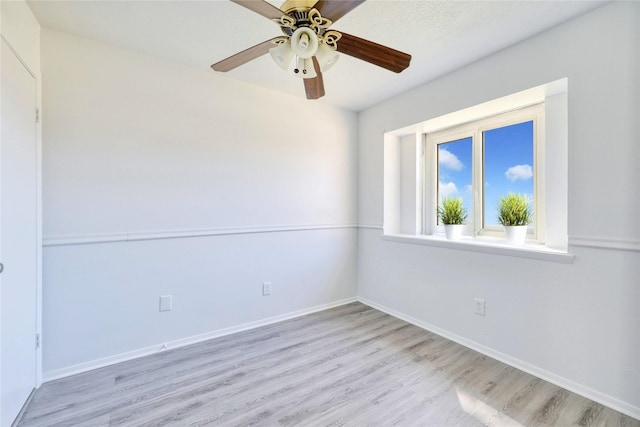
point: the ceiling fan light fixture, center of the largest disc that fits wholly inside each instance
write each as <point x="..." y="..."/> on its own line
<point x="304" y="42"/>
<point x="327" y="57"/>
<point x="282" y="55"/>
<point x="305" y="69"/>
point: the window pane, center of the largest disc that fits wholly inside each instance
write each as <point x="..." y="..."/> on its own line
<point x="508" y="165"/>
<point x="455" y="172"/>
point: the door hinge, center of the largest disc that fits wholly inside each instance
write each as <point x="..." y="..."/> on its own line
<point x="37" y="341"/>
<point x="37" y="115"/>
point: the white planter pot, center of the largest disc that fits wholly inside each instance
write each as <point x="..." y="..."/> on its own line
<point x="453" y="231"/>
<point x="516" y="234"/>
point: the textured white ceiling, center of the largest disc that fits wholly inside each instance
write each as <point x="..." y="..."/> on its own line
<point x="440" y="35"/>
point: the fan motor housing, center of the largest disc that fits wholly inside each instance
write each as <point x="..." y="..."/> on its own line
<point x="291" y="6"/>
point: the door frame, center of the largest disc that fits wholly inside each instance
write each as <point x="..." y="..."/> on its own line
<point x="6" y="44"/>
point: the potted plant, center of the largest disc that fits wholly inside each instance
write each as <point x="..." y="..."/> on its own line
<point x="515" y="214"/>
<point x="452" y="214"/>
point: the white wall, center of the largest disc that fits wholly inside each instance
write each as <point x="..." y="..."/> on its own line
<point x="183" y="182"/>
<point x="575" y="324"/>
<point x="21" y="30"/>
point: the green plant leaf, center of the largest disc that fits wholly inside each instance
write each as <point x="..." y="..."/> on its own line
<point x="515" y="209"/>
<point x="452" y="211"/>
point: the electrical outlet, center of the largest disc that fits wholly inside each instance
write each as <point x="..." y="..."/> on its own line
<point x="480" y="306"/>
<point x="166" y="302"/>
<point x="266" y="288"/>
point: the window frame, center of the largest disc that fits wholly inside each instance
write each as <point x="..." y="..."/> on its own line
<point x="475" y="129"/>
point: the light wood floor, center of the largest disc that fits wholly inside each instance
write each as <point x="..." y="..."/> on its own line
<point x="350" y="365"/>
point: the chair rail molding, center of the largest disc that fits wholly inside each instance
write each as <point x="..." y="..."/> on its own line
<point x="125" y="236"/>
<point x="605" y="243"/>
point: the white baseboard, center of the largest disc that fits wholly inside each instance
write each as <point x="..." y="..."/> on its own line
<point x="146" y="351"/>
<point x="589" y="393"/>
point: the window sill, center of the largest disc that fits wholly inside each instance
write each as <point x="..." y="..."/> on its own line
<point x="487" y="246"/>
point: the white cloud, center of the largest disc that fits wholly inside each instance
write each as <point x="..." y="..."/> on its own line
<point x="523" y="172"/>
<point x="447" y="189"/>
<point x="449" y="160"/>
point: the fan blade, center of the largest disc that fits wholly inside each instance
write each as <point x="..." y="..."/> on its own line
<point x="314" y="86"/>
<point x="261" y="7"/>
<point x="336" y="9"/>
<point x="245" y="56"/>
<point x="382" y="56"/>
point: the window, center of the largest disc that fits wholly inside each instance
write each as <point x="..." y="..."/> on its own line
<point x="454" y="170"/>
<point x="507" y="164"/>
<point x="482" y="160"/>
<point x="515" y="143"/>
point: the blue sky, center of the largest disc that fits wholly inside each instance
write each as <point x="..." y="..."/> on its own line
<point x="508" y="166"/>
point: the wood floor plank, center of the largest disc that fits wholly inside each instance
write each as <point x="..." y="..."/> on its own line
<point x="351" y="365"/>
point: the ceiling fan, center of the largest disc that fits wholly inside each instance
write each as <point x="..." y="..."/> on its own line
<point x="308" y="37"/>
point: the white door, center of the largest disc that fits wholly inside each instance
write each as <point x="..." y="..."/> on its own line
<point x="18" y="242"/>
